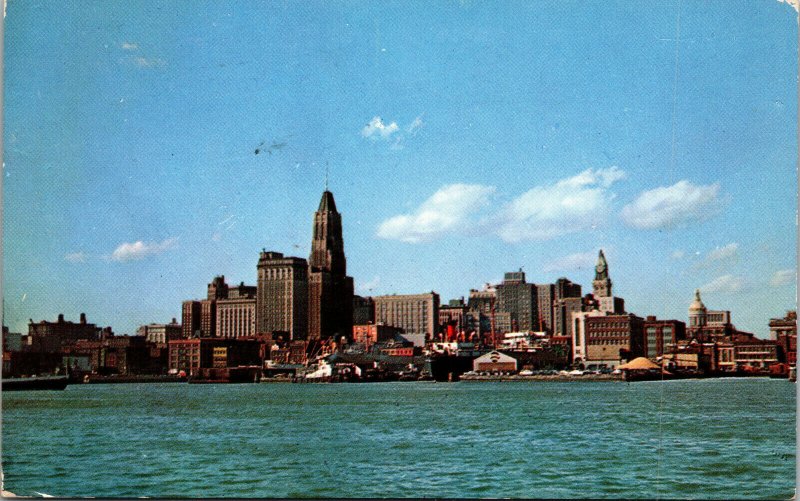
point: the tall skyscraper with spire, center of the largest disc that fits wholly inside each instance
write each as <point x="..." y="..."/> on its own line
<point x="330" y="300"/>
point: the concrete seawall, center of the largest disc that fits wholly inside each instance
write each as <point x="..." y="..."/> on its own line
<point x="558" y="377"/>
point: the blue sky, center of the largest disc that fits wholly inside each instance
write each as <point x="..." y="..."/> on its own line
<point x="464" y="140"/>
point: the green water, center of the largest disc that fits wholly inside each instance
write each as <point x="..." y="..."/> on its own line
<point x="731" y="438"/>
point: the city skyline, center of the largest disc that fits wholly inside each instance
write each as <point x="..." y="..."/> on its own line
<point x="177" y="146"/>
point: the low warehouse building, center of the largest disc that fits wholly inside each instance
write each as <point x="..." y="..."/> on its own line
<point x="495" y="362"/>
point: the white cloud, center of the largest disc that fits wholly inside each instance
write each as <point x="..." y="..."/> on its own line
<point x="140" y="250"/>
<point x="725" y="283"/>
<point x="723" y="253"/>
<point x="76" y="257"/>
<point x="129" y="46"/>
<point x="573" y="204"/>
<point x="446" y="211"/>
<point x="783" y="277"/>
<point x="671" y="206"/>
<point x="720" y="256"/>
<point x="572" y="262"/>
<point x="677" y="254"/>
<point x="377" y="129"/>
<point x="415" y="125"/>
<point x="144" y="62"/>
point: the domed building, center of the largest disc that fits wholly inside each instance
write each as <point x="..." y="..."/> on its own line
<point x="697" y="312"/>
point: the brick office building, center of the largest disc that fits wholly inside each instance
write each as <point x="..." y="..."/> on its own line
<point x="660" y="335"/>
<point x="192" y="355"/>
<point x="611" y="339"/>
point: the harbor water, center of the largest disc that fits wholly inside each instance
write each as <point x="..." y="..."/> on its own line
<point x="715" y="438"/>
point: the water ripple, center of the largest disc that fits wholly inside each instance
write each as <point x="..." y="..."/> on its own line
<point x="698" y="439"/>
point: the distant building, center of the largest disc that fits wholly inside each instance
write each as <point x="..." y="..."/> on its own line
<point x="184" y="355"/>
<point x="563" y="309"/>
<point x="606" y="302"/>
<point x="483" y="301"/>
<point x="201" y="318"/>
<point x="242" y="291"/>
<point x="565" y="300"/>
<point x="12" y="341"/>
<point x="192" y="355"/>
<point x="190" y="319"/>
<point x="124" y="355"/>
<point x="282" y="299"/>
<point x="784" y="332"/>
<point x="50" y="336"/>
<point x="236" y="317"/>
<point x="566" y="288"/>
<point x="371" y="334"/>
<point x="612" y="339"/>
<point x="712" y="334"/>
<point x="545" y="296"/>
<point x="453" y="319"/>
<point x="290" y="353"/>
<point x="708" y="325"/>
<point x="217" y="289"/>
<point x="602" y="283"/>
<point x="414" y="313"/>
<point x="160" y="333"/>
<point x="503" y="323"/>
<point x="756" y="353"/>
<point x="495" y="362"/>
<point x="330" y="290"/>
<point x="363" y="310"/>
<point x="520" y="299"/>
<point x="579" y="334"/>
<point x="208" y="318"/>
<point x="660" y="335"/>
<point x="481" y="308"/>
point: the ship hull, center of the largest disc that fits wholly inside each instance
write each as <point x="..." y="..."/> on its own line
<point x="28" y="384"/>
<point x="450" y="367"/>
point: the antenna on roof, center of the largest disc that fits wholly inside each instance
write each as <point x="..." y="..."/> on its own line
<point x="326" y="175"/>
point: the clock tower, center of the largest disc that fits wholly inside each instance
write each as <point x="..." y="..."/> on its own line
<point x="601" y="283"/>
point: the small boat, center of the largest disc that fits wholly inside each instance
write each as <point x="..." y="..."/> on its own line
<point x="35" y="383"/>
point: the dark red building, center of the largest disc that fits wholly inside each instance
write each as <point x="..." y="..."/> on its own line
<point x="613" y="338"/>
<point x="191" y="355"/>
<point x="659" y="335"/>
<point x="50" y="336"/>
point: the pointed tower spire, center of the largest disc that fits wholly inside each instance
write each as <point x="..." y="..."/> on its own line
<point x="327" y="248"/>
<point x="601" y="269"/>
<point x="602" y="282"/>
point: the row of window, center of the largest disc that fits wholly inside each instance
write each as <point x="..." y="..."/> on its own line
<point x="282" y="273"/>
